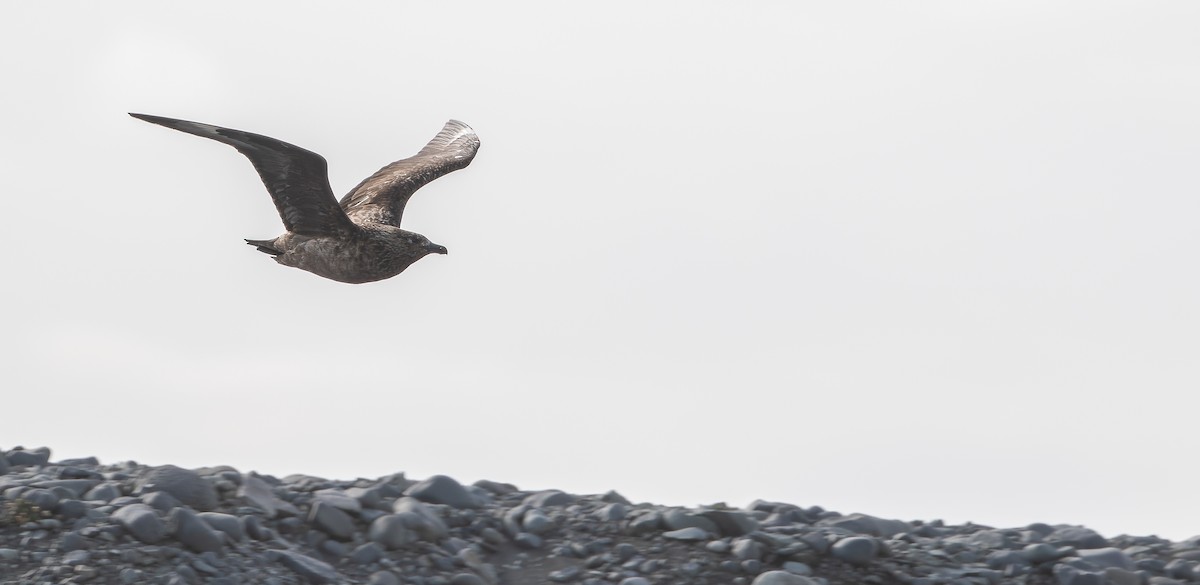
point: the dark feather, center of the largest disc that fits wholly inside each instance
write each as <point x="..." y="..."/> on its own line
<point x="297" y="179"/>
<point x="382" y="196"/>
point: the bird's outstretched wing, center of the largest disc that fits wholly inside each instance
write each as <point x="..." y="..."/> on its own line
<point x="297" y="179"/>
<point x="381" y="197"/>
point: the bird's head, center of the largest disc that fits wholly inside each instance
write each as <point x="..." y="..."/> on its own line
<point x="417" y="242"/>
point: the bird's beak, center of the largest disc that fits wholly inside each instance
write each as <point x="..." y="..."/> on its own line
<point x="436" y="249"/>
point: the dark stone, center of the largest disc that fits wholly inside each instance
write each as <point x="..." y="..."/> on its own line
<point x="35" y="457"/>
<point x="1076" y="536"/>
<point x="187" y="486"/>
<point x="227" y="523"/>
<point x="441" y="489"/>
<point x="331" y="520"/>
<point x="366" y="554"/>
<point x="856" y="550"/>
<point x="72" y="509"/>
<point x="161" y="501"/>
<point x="142" y="522"/>
<point x="42" y="498"/>
<point x="312" y="570"/>
<point x="194" y="533"/>
<point x="731" y="522"/>
<point x="391" y="531"/>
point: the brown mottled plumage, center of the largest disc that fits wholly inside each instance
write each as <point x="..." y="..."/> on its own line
<point x="358" y="239"/>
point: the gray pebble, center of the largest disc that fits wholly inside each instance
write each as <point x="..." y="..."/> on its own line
<point x="691" y="533"/>
<point x="528" y="541"/>
<point x="798" y="568"/>
<point x="565" y="574"/>
<point x="746" y="548"/>
<point x="36" y="457"/>
<point x="339" y="499"/>
<point x="42" y="498"/>
<point x="105" y="492"/>
<point x="1104" y="558"/>
<point x="421" y="518"/>
<point x="383" y="578"/>
<point x="391" y="531"/>
<point x="71" y="509"/>
<point x="73" y="541"/>
<point x="77" y="557"/>
<point x="675" y="519"/>
<point x="782" y="578"/>
<point x="442" y="489"/>
<point x="613" y="512"/>
<point x="718" y="546"/>
<point x="161" y="501"/>
<point x="227" y="523"/>
<point x="1076" y="536"/>
<point x="367" y="553"/>
<point x="187" y="486"/>
<point x="466" y="579"/>
<point x="331" y="520"/>
<point x="731" y="522"/>
<point x="548" y="498"/>
<point x="856" y="550"/>
<point x="194" y="533"/>
<point x="334" y="548"/>
<point x="142" y="522"/>
<point x="644" y="523"/>
<point x="634" y="581"/>
<point x="535" y="521"/>
<point x="312" y="570"/>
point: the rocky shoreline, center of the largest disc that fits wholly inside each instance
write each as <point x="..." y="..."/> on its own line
<point x="78" y="521"/>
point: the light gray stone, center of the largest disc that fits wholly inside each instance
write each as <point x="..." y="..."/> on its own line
<point x="466" y="579"/>
<point x="1076" y="536"/>
<point x="421" y="518"/>
<point x="383" y="578"/>
<point x="1104" y="558"/>
<point x="339" y="499"/>
<point x="259" y="494"/>
<point x="161" y="501"/>
<point x="142" y="522"/>
<point x="856" y="550"/>
<point x="870" y="525"/>
<point x="613" y="512"/>
<point x="691" y="533"/>
<point x="227" y="523"/>
<point x="195" y="533"/>
<point x="536" y="522"/>
<point x="442" y="489"/>
<point x="392" y="531"/>
<point x="187" y="486"/>
<point x="747" y="548"/>
<point x="731" y="522"/>
<point x="331" y="520"/>
<point x="782" y="578"/>
<point x="312" y="570"/>
<point x="675" y="519"/>
<point x="547" y="498"/>
<point x="366" y="553"/>
<point x="105" y="492"/>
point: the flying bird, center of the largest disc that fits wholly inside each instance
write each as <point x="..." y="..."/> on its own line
<point x="357" y="239"/>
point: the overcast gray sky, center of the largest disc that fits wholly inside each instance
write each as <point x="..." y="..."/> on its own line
<point x="920" y="260"/>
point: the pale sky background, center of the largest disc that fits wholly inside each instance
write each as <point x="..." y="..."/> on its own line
<point x="919" y="260"/>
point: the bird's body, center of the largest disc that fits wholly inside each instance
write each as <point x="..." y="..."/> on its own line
<point x="359" y="238"/>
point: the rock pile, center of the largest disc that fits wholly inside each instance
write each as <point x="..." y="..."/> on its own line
<point x="77" y="521"/>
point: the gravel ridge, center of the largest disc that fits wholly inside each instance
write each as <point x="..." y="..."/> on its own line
<point x="80" y="521"/>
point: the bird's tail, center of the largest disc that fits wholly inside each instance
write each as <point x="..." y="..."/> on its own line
<point x="265" y="246"/>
